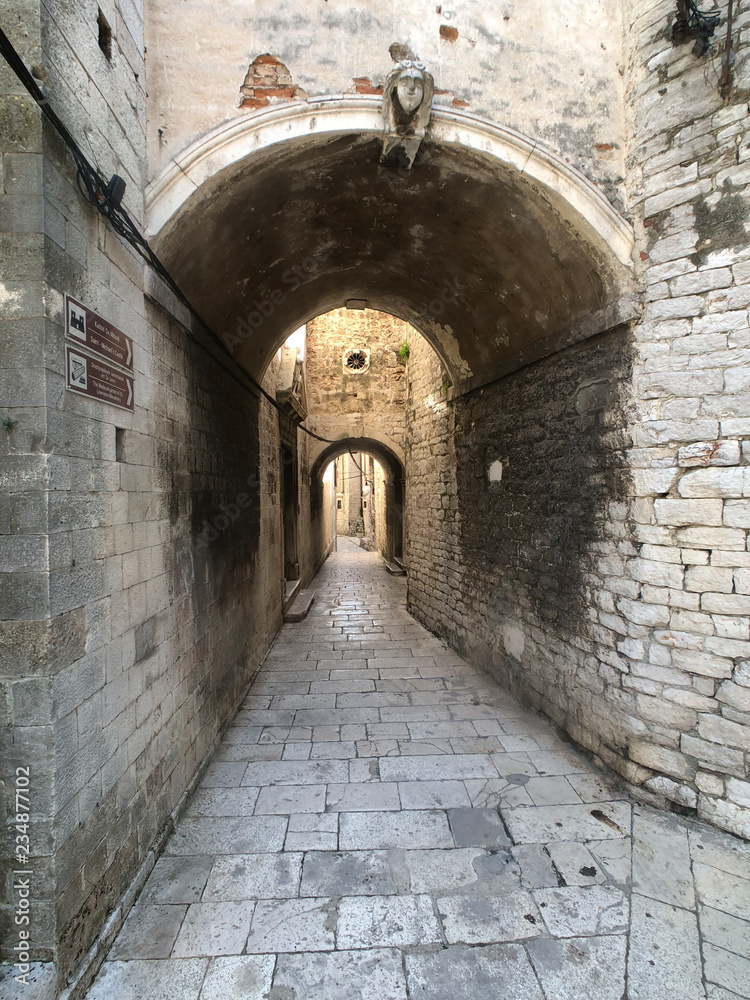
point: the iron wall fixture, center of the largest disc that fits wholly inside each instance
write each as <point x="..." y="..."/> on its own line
<point x="691" y="22"/>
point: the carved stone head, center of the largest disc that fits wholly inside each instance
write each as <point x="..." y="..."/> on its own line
<point x="407" y="102"/>
<point x="407" y="98"/>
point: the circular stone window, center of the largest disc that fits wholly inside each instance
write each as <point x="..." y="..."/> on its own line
<point x="356" y="359"/>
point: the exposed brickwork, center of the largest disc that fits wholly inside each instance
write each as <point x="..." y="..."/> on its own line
<point x="364" y="85"/>
<point x="268" y="80"/>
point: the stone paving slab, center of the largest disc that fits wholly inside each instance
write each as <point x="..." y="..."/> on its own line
<point x="580" y="967"/>
<point x="157" y="980"/>
<point x="291" y="925"/>
<point x="343" y="975"/>
<point x="497" y="972"/>
<point x="347" y="873"/>
<point x="387" y="921"/>
<point x="238" y="977"/>
<point x="381" y="822"/>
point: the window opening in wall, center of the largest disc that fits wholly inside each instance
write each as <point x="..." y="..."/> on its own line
<point x="105" y="35"/>
<point x="356" y="359"/>
<point x="339" y="504"/>
<point x="119" y="444"/>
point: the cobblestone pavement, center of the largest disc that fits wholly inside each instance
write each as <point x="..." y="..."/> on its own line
<point x="381" y="822"/>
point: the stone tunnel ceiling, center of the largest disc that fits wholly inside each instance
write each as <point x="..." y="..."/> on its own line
<point x="472" y="253"/>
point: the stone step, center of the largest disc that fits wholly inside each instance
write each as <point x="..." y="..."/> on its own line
<point x="302" y="604"/>
<point x="395" y="569"/>
<point x="291" y="589"/>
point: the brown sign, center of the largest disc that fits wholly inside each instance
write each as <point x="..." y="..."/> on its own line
<point x="97" y="335"/>
<point x="98" y="380"/>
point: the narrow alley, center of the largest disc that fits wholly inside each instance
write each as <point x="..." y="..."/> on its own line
<point x="381" y="821"/>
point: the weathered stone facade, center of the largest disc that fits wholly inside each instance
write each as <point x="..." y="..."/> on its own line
<point x="135" y="547"/>
<point x="688" y="178"/>
<point x="577" y="479"/>
<point x="622" y="551"/>
<point x="346" y="402"/>
<point x="361" y="407"/>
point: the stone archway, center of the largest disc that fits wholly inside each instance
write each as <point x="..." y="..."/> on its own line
<point x="500" y="254"/>
<point x="390" y="458"/>
<point x="490" y="245"/>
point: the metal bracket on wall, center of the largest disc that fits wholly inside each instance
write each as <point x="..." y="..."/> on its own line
<point x="691" y="22"/>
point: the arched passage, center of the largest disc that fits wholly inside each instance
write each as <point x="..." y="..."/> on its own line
<point x="499" y="254"/>
<point x="489" y="245"/>
<point x="393" y="483"/>
<point x="388" y="454"/>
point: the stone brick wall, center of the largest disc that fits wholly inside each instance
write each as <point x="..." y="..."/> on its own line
<point x="181" y="540"/>
<point x="29" y="641"/>
<point x="342" y="494"/>
<point x="378" y="506"/>
<point x="604" y="575"/>
<point x="140" y="553"/>
<point x="356" y="404"/>
<point x="432" y="524"/>
<point x="689" y="170"/>
<point x="327" y="515"/>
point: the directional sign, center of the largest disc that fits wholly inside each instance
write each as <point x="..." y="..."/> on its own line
<point x="94" y="378"/>
<point x="100" y="337"/>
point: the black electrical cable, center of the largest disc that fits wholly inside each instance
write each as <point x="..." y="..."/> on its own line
<point x="362" y="473"/>
<point x="708" y="20"/>
<point x="105" y="197"/>
<point x="692" y="22"/>
<point x="727" y="61"/>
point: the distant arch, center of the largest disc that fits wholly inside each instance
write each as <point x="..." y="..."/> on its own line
<point x="387" y="453"/>
<point x="394" y="483"/>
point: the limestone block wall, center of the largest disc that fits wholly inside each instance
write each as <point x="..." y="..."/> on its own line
<point x="28" y="643"/>
<point x="688" y="174"/>
<point x="380" y="498"/>
<point x="603" y="575"/>
<point x="354" y="489"/>
<point x="341" y="512"/>
<point x="328" y="502"/>
<point x="343" y="403"/>
<point x="141" y="562"/>
<point x="505" y="568"/>
<point x="432" y="522"/>
<point x="315" y="512"/>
